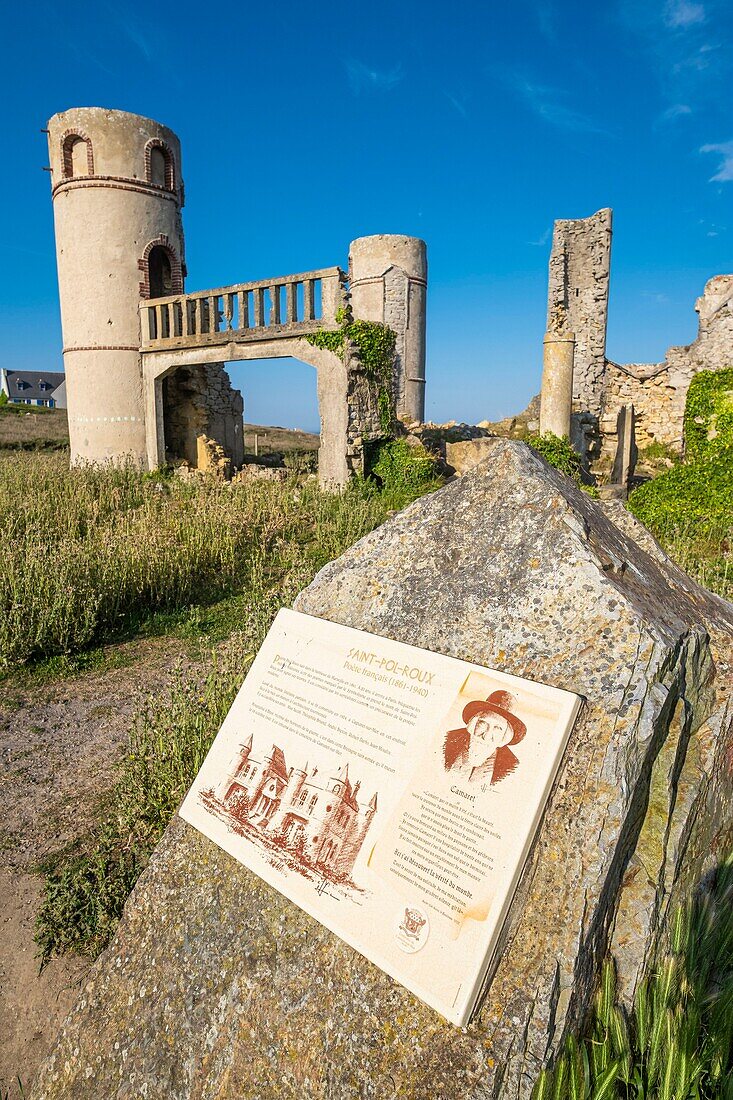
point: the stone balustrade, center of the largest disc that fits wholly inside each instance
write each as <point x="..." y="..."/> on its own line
<point x="287" y="307"/>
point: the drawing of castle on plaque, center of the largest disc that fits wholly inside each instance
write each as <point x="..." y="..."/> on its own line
<point x="308" y="820"/>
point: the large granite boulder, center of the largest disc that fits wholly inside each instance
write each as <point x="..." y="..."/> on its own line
<point x="215" y="986"/>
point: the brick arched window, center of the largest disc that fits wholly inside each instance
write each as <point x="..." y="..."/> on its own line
<point x="77" y="155"/>
<point x="160" y="167"/>
<point x="161" y="270"/>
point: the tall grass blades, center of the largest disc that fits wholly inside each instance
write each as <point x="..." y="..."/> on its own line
<point x="677" y="1043"/>
<point x="89" y="554"/>
<point x="276" y="538"/>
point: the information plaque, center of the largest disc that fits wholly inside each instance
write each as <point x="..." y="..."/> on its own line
<point x="390" y="792"/>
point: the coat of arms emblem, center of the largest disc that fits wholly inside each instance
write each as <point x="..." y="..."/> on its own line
<point x="413" y="922"/>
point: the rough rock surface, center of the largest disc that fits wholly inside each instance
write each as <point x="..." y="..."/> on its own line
<point x="217" y="987"/>
<point x="462" y="457"/>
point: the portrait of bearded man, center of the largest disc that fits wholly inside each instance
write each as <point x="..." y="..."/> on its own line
<point x="480" y="750"/>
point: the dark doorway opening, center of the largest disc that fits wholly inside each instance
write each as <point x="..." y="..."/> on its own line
<point x="159" y="273"/>
<point x="202" y="419"/>
<point x="184" y="414"/>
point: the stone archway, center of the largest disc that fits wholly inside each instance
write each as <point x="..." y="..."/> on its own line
<point x="340" y="436"/>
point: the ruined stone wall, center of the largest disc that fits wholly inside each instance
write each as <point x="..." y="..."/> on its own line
<point x="362" y="410"/>
<point x="199" y="402"/>
<point x="658" y="391"/>
<point x="578" y="288"/>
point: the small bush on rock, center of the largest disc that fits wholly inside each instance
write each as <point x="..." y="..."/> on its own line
<point x="558" y="451"/>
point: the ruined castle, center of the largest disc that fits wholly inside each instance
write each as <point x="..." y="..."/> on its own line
<point x="144" y="360"/>
<point x="319" y="814"/>
<point x="583" y="392"/>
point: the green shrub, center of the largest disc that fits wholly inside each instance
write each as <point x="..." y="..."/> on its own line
<point x="3" y="399"/>
<point x="656" y="451"/>
<point x="559" y="452"/>
<point x="404" y="468"/>
<point x="301" y="461"/>
<point x="677" y="1042"/>
<point x="698" y="494"/>
<point x="709" y="414"/>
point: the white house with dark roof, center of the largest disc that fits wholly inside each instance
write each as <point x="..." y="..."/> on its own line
<point x="34" y="387"/>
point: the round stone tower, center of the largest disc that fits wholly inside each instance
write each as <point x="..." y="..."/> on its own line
<point x="117" y="197"/>
<point x="388" y="282"/>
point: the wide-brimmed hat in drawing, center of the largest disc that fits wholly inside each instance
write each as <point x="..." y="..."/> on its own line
<point x="499" y="702"/>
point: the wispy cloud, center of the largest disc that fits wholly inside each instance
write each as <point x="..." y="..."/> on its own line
<point x="460" y="103"/>
<point x="131" y="29"/>
<point x="679" y="14"/>
<point x="549" y="104"/>
<point x="362" y="78"/>
<point x="688" y="45"/>
<point x="677" y="110"/>
<point x="547" y="21"/>
<point x="725" y="150"/>
<point x="543" y="238"/>
<point x="658" y="299"/>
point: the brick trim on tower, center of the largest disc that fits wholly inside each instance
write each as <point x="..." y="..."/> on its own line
<point x="177" y="271"/>
<point x="67" y="145"/>
<point x="170" y="163"/>
<point x="116" y="183"/>
<point x="102" y="347"/>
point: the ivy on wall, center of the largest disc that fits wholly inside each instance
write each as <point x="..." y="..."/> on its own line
<point x="698" y="493"/>
<point x="709" y="414"/>
<point x="376" y="343"/>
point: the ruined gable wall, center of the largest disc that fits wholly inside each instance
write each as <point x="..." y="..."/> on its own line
<point x="578" y="285"/>
<point x="658" y="391"/>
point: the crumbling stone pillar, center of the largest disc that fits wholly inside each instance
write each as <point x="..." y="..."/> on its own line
<point x="556" y="398"/>
<point x="388" y="283"/>
<point x="626" y="453"/>
<point x="580" y="266"/>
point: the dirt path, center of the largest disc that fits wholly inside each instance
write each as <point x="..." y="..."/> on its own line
<point x="58" y="746"/>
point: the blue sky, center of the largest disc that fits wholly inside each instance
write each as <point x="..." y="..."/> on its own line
<point x="472" y="126"/>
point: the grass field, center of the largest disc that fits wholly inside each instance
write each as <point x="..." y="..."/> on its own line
<point x="98" y="555"/>
<point x="91" y="556"/>
<point x="33" y="428"/>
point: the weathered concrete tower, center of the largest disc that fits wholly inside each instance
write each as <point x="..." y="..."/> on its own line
<point x="388" y="282"/>
<point x="117" y="197"/>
